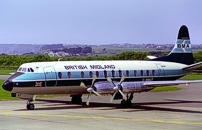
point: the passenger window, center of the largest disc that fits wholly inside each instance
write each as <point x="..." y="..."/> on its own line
<point x="60" y="75"/>
<point x="29" y="70"/>
<point x="142" y="73"/>
<point x="120" y="73"/>
<point x="113" y="73"/>
<point x="97" y="74"/>
<point x="105" y="73"/>
<point x="153" y="73"/>
<point x="69" y="75"/>
<point x="135" y="72"/>
<point x="147" y="72"/>
<point x="82" y="74"/>
<point x="91" y="74"/>
<point x="127" y="73"/>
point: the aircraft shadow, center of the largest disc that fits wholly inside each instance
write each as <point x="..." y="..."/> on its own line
<point x="111" y="106"/>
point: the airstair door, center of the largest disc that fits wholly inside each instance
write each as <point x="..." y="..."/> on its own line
<point x="50" y="76"/>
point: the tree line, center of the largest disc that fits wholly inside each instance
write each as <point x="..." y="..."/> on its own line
<point x="15" y="60"/>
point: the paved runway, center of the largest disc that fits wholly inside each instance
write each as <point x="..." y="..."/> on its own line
<point x="4" y="77"/>
<point x="181" y="110"/>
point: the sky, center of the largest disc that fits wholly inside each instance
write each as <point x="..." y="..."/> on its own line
<point x="98" y="21"/>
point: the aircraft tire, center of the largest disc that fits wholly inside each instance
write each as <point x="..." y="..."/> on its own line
<point x="126" y="104"/>
<point x="30" y="106"/>
<point x="76" y="100"/>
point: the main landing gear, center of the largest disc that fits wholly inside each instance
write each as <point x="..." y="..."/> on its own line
<point x="127" y="103"/>
<point x="76" y="99"/>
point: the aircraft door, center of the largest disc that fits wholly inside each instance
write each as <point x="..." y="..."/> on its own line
<point x="160" y="72"/>
<point x="50" y="76"/>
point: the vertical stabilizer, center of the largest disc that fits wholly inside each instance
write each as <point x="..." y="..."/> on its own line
<point x="181" y="52"/>
<point x="182" y="44"/>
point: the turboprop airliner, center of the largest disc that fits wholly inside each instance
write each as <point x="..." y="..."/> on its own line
<point x="120" y="78"/>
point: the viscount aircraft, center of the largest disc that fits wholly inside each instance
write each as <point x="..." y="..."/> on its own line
<point x="120" y="78"/>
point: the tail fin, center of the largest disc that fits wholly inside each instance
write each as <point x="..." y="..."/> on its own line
<point x="182" y="52"/>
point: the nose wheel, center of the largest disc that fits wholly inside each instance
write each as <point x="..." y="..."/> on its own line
<point x="30" y="106"/>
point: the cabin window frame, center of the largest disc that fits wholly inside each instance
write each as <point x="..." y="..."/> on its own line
<point x="97" y="74"/>
<point x="82" y="74"/>
<point x="69" y="74"/>
<point x="60" y="75"/>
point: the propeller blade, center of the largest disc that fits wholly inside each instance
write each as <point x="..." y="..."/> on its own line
<point x="88" y="100"/>
<point x="96" y="93"/>
<point x="83" y="85"/>
<point x="110" y="80"/>
<point x="112" y="98"/>
<point x="94" y="78"/>
<point x="122" y="79"/>
<point x="124" y="97"/>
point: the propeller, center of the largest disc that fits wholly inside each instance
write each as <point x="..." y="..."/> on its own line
<point x="90" y="89"/>
<point x="117" y="88"/>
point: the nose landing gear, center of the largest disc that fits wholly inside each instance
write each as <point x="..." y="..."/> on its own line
<point x="30" y="105"/>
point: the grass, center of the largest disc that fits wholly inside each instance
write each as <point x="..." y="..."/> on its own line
<point x="4" y="95"/>
<point x="192" y="76"/>
<point x="6" y="72"/>
<point x="165" y="89"/>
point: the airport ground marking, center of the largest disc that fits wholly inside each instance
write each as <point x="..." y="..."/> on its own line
<point x="101" y="118"/>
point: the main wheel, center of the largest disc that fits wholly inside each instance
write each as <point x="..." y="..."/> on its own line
<point x="126" y="104"/>
<point x="76" y="100"/>
<point x="30" y="106"/>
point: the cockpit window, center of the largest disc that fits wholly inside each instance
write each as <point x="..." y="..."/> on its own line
<point x="24" y="69"/>
<point x="20" y="69"/>
<point x="31" y="70"/>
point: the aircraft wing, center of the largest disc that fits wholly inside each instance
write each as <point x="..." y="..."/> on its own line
<point x="168" y="83"/>
<point x="193" y="66"/>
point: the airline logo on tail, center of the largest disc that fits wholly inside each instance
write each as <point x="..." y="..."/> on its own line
<point x="182" y="46"/>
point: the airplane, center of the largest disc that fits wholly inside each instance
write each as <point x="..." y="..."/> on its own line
<point x="120" y="78"/>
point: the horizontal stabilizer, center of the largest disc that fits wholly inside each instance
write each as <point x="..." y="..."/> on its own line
<point x="193" y="66"/>
<point x="168" y="83"/>
<point x="151" y="57"/>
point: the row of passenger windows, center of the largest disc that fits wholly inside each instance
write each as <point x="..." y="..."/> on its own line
<point x="113" y="73"/>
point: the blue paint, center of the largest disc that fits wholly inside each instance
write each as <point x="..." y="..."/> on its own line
<point x="77" y="75"/>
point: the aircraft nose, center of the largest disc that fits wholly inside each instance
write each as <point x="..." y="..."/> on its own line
<point x="7" y="85"/>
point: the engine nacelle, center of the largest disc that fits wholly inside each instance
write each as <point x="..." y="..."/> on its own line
<point x="104" y="87"/>
<point x="127" y="87"/>
<point x="135" y="87"/>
